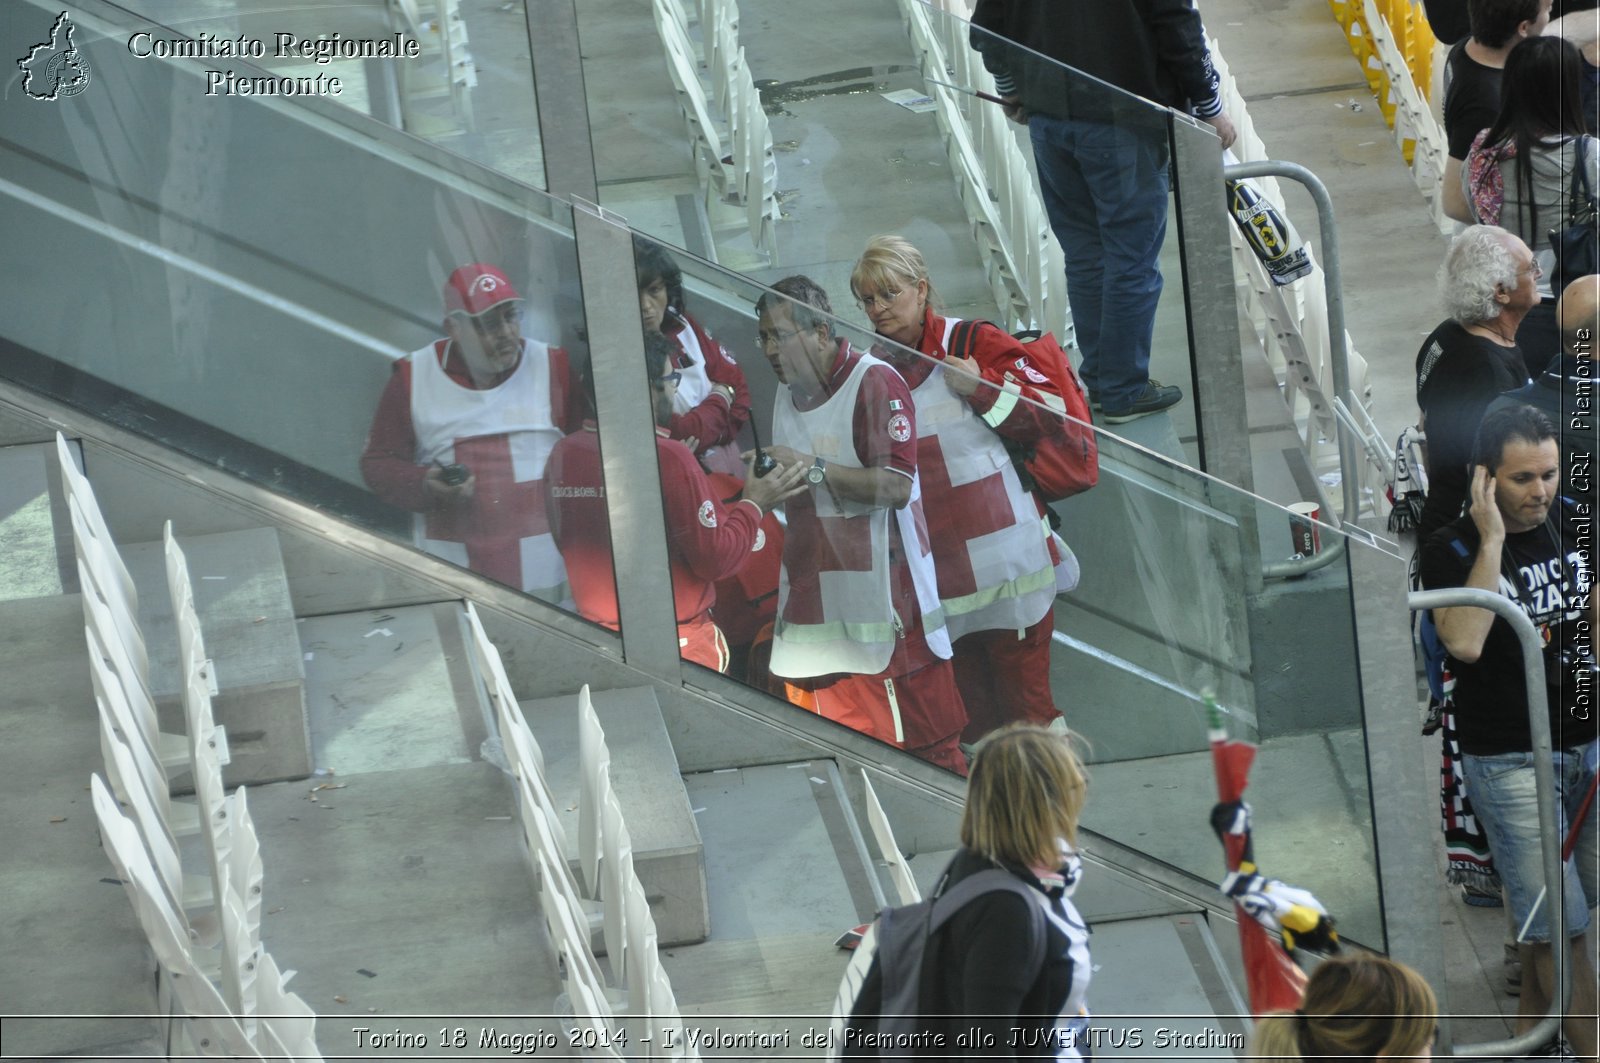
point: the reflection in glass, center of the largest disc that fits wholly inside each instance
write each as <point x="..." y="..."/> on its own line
<point x="993" y="549"/>
<point x="713" y="401"/>
<point x="464" y="429"/>
<point x="709" y="415"/>
<point x="710" y="539"/>
<point x="860" y="636"/>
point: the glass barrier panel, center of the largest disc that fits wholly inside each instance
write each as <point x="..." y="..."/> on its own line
<point x="914" y="590"/>
<point x="1117" y="609"/>
<point x="402" y="348"/>
<point x="770" y="148"/>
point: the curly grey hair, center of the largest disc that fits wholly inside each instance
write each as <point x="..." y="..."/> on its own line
<point x="1480" y="259"/>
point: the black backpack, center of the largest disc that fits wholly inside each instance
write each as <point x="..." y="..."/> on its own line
<point x="901" y="935"/>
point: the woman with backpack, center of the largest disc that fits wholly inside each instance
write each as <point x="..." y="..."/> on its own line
<point x="1004" y="965"/>
<point x="1522" y="172"/>
<point x="980" y="395"/>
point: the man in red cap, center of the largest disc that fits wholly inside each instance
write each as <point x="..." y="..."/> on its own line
<point x="463" y="432"/>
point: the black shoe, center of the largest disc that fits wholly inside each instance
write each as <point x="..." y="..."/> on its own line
<point x="1153" y="399"/>
<point x="1094" y="399"/>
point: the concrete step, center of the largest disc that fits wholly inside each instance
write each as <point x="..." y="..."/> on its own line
<point x="1191" y="1010"/>
<point x="787" y="875"/>
<point x="390" y="689"/>
<point x="668" y="855"/>
<point x="36" y="557"/>
<point x="242" y="597"/>
<point x="402" y="893"/>
<point x="73" y="948"/>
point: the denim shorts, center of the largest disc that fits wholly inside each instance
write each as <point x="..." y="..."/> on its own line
<point x="1501" y="788"/>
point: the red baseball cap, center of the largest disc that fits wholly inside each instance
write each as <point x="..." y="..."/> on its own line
<point x="476" y="288"/>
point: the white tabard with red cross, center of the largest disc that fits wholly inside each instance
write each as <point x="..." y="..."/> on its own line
<point x="835" y="612"/>
<point x="990" y="543"/>
<point x="504" y="435"/>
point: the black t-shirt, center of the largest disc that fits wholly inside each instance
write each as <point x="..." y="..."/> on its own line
<point x="1549" y="579"/>
<point x="1471" y="99"/>
<point x="1458" y="375"/>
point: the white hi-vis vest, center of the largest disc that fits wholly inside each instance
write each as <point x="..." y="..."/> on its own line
<point x="1013" y="581"/>
<point x="443" y="412"/>
<point x="843" y="620"/>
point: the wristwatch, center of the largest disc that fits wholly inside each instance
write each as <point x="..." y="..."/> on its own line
<point x="817" y="472"/>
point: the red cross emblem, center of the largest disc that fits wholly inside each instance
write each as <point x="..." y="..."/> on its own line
<point x="957" y="514"/>
<point x="502" y="512"/>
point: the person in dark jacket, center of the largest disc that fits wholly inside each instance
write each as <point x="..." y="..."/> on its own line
<point x="1102" y="160"/>
<point x="1024" y="794"/>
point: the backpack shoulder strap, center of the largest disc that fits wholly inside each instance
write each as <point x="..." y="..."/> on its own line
<point x="961" y="334"/>
<point x="994" y="880"/>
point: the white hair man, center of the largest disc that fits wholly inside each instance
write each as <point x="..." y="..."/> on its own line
<point x="1488" y="283"/>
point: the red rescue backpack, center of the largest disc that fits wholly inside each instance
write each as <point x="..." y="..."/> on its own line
<point x="1068" y="462"/>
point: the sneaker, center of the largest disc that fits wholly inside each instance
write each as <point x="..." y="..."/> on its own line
<point x="1512" y="968"/>
<point x="1094" y="399"/>
<point x="1153" y="399"/>
<point x="1480" y="897"/>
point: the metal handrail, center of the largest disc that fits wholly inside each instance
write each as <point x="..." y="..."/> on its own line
<point x="1338" y="356"/>
<point x="1545" y="792"/>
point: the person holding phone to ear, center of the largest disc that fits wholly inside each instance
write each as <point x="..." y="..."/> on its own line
<point x="1522" y="540"/>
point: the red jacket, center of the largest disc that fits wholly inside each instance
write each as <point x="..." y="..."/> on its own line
<point x="715" y="420"/>
<point x="1002" y="359"/>
<point x="706" y="541"/>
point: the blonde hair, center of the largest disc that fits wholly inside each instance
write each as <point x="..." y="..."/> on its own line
<point x="1358" y="1005"/>
<point x="1024" y="794"/>
<point x="890" y="263"/>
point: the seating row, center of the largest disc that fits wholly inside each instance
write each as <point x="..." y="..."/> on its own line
<point x="204" y="929"/>
<point x="1400" y="50"/>
<point x="638" y="992"/>
<point x="729" y="131"/>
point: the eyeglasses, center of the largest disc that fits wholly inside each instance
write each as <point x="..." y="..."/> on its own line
<point x="769" y="339"/>
<point x="510" y="317"/>
<point x="672" y="378"/>
<point x="867" y="302"/>
<point x="1533" y="268"/>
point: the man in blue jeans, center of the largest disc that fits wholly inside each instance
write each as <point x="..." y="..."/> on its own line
<point x="1521" y="540"/>
<point x="1102" y="160"/>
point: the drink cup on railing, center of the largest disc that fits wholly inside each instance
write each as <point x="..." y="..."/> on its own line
<point x="1303" y="530"/>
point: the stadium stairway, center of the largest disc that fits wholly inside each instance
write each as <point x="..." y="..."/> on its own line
<point x="394" y="883"/>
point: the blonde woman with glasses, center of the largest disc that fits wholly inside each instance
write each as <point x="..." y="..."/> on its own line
<point x="992" y="546"/>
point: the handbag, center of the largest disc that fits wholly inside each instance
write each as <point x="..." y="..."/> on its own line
<point x="1577" y="243"/>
